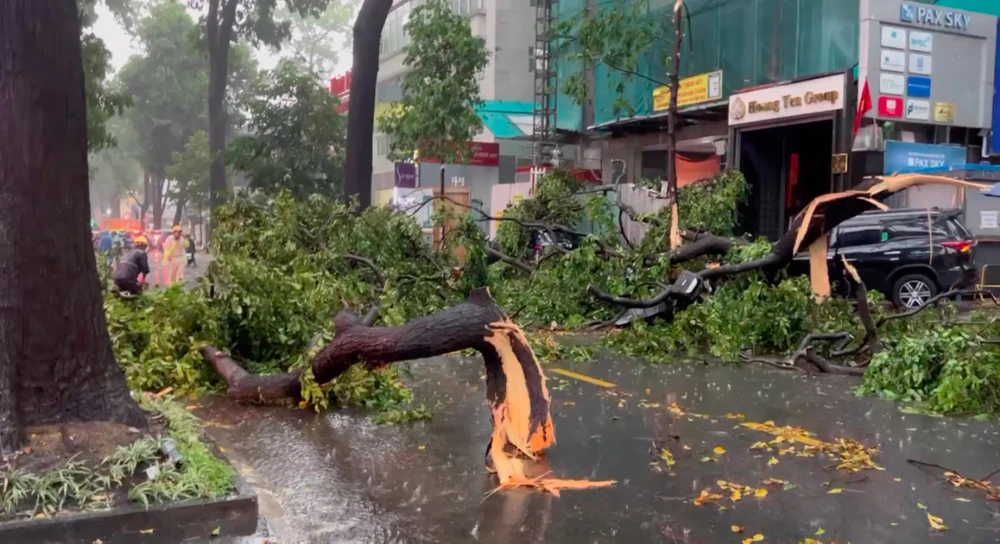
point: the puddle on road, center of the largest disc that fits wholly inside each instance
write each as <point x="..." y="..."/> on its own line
<point x="337" y="477"/>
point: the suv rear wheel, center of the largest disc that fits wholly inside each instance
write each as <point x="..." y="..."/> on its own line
<point x="913" y="290"/>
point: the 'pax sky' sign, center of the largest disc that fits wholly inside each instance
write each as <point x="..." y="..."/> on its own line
<point x="926" y="15"/>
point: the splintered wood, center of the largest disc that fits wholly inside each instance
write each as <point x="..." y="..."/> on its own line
<point x="819" y="275"/>
<point x="522" y="424"/>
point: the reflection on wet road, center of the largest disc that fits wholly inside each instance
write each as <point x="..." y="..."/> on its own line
<point x="336" y="477"/>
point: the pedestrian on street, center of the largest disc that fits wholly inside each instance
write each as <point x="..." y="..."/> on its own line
<point x="104" y="247"/>
<point x="174" y="255"/>
<point x="132" y="269"/>
<point x="190" y="250"/>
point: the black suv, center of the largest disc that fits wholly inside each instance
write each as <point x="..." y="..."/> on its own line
<point x="896" y="253"/>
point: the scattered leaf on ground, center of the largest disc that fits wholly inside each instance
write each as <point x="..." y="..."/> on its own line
<point x="962" y="499"/>
<point x="936" y="523"/>
<point x="686" y="447"/>
<point x="667" y="457"/>
<point x="834" y="491"/>
<point x="789" y="487"/>
<point x="897" y="479"/>
<point x="719" y="450"/>
<point x="216" y="531"/>
<point x="760" y="493"/>
<point x="706" y="497"/>
<point x="146" y="531"/>
<point x="737" y="529"/>
<point x="759" y="445"/>
<point x="707" y="459"/>
<point x="820" y="531"/>
<point x="775" y="481"/>
<point x="921" y="506"/>
<point x="755" y="538"/>
<point x="771" y="462"/>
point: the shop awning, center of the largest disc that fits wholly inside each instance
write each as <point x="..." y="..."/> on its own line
<point x="508" y="119"/>
<point x="658" y="118"/>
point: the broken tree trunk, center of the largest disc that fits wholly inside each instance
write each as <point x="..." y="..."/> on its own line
<point x="515" y="383"/>
<point x="464" y="326"/>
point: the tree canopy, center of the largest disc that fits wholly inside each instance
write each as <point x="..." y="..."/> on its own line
<point x="295" y="138"/>
<point x="437" y="113"/>
<point x="315" y="42"/>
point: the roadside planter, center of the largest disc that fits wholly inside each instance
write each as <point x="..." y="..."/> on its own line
<point x="192" y="520"/>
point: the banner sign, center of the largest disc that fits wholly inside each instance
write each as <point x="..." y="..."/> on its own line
<point x="691" y="90"/>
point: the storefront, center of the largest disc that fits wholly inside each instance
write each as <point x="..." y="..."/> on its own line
<point x="791" y="142"/>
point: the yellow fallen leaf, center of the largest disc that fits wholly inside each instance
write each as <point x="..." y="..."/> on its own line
<point x="936" y="523"/>
<point x="820" y="532"/>
<point x="686" y="447"/>
<point x="921" y="506"/>
<point x="737" y="529"/>
<point x="734" y="416"/>
<point x="223" y="450"/>
<point x="667" y="457"/>
<point x="421" y="448"/>
<point x="759" y="445"/>
<point x="771" y="462"/>
<point x="962" y="499"/>
<point x="755" y="538"/>
<point x="719" y="450"/>
<point x="774" y="481"/>
<point x="760" y="493"/>
<point x="897" y="479"/>
<point x="707" y="459"/>
<point x="834" y="491"/>
<point x="737" y="495"/>
<point x="146" y="531"/>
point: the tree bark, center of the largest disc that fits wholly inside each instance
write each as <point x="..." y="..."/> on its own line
<point x="156" y="186"/>
<point x="144" y="205"/>
<point x="460" y="327"/>
<point x="220" y="32"/>
<point x="672" y="128"/>
<point x="179" y="211"/>
<point x="56" y="362"/>
<point x="361" y="113"/>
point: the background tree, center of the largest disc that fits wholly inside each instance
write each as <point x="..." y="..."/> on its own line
<point x="56" y="362"/>
<point x="361" y="115"/>
<point x="225" y="22"/>
<point x="103" y="100"/>
<point x="315" y="42"/>
<point x="295" y="138"/>
<point x="168" y="83"/>
<point x="618" y="36"/>
<point x="189" y="171"/>
<point x="437" y="113"/>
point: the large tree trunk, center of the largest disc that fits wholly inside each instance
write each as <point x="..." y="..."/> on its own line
<point x="361" y="114"/>
<point x="56" y="362"/>
<point x="220" y="32"/>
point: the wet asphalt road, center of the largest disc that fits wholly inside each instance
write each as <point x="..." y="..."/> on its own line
<point x="336" y="477"/>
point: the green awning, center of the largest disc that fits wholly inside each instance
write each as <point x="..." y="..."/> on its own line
<point x="507" y="119"/>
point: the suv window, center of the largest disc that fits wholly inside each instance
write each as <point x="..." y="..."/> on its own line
<point x="858" y="235"/>
<point x="916" y="227"/>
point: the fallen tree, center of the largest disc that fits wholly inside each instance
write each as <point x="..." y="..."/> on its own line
<point x="515" y="384"/>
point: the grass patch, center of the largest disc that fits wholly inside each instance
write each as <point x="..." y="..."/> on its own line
<point x="135" y="473"/>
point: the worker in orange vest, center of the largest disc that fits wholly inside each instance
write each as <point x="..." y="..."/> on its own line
<point x="174" y="255"/>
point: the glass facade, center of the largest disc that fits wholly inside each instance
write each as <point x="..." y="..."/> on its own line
<point x="753" y="42"/>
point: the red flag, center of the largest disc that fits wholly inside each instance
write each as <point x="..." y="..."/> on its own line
<point x="864" y="105"/>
